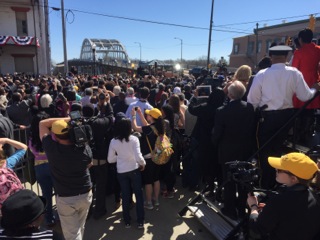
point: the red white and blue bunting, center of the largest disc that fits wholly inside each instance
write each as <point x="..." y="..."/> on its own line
<point x="4" y="40"/>
<point x="20" y="41"/>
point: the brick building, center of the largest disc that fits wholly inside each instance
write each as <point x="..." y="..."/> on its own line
<point x="251" y="48"/>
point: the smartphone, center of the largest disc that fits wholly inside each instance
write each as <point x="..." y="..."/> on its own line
<point x="204" y="91"/>
<point x="74" y="115"/>
<point x="135" y="108"/>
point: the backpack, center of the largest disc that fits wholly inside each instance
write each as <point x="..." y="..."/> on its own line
<point x="162" y="149"/>
<point x="9" y="184"/>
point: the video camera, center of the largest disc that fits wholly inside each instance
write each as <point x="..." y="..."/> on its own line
<point x="243" y="172"/>
<point x="215" y="81"/>
<point x="80" y="131"/>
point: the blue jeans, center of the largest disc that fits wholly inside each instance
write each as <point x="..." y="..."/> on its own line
<point x="44" y="179"/>
<point x="128" y="180"/>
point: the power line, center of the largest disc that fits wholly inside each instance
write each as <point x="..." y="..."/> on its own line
<point x="174" y="24"/>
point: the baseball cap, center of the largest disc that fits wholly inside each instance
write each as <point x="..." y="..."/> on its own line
<point x="59" y="127"/>
<point x="298" y="164"/>
<point x="154" y="112"/>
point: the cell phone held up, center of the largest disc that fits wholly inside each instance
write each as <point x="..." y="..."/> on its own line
<point x="136" y="108"/>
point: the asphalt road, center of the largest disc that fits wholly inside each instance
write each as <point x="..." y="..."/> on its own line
<point x="160" y="224"/>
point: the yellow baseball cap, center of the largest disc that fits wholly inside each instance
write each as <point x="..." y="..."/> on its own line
<point x="298" y="164"/>
<point x="60" y="127"/>
<point x="154" y="112"/>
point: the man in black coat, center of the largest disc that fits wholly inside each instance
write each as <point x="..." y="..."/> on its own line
<point x="101" y="132"/>
<point x="201" y="161"/>
<point x="233" y="135"/>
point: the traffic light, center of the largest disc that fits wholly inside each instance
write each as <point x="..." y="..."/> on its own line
<point x="312" y="22"/>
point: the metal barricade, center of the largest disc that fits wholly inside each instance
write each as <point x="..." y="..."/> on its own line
<point x="25" y="169"/>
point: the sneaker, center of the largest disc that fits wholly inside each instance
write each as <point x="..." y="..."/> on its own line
<point x="140" y="226"/>
<point x="156" y="203"/>
<point x="168" y="195"/>
<point x="128" y="225"/>
<point x="148" y="206"/>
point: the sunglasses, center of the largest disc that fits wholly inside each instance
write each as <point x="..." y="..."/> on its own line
<point x="283" y="171"/>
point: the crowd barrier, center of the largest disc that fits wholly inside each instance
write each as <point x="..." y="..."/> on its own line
<point x="25" y="169"/>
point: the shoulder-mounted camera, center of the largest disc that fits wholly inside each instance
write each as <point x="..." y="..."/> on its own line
<point x="80" y="131"/>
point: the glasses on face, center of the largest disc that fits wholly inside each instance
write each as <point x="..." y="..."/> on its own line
<point x="283" y="171"/>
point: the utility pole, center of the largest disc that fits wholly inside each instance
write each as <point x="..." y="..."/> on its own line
<point x="48" y="49"/>
<point x="64" y="39"/>
<point x="210" y="31"/>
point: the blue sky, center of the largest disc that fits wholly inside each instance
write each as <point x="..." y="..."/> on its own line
<point x="232" y="18"/>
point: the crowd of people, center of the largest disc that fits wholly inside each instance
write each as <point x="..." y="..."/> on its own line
<point x="127" y="114"/>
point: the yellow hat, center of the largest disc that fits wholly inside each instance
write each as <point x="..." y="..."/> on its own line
<point x="297" y="163"/>
<point x="59" y="127"/>
<point x="154" y="112"/>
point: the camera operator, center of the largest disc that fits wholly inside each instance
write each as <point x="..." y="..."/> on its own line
<point x="69" y="166"/>
<point x="295" y="212"/>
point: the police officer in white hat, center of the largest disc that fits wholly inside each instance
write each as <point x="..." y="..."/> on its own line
<point x="272" y="90"/>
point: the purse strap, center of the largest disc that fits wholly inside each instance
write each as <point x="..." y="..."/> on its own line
<point x="154" y="130"/>
<point x="149" y="144"/>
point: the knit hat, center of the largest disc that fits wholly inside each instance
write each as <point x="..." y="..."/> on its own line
<point x="21" y="208"/>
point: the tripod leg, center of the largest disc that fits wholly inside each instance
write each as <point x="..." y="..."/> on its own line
<point x="192" y="201"/>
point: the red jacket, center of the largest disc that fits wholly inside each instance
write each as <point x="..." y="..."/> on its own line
<point x="306" y="60"/>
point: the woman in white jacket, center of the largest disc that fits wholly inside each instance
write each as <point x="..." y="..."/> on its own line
<point x="124" y="149"/>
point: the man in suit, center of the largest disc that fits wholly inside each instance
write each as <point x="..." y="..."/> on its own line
<point x="233" y="135"/>
<point x="199" y="163"/>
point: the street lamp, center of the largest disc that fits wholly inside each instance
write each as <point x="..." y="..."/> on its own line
<point x="140" y="48"/>
<point x="94" y="58"/>
<point x="181" y="42"/>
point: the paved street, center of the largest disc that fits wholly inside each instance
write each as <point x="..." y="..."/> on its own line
<point x="160" y="224"/>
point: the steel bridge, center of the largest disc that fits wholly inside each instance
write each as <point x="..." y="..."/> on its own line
<point x="104" y="51"/>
